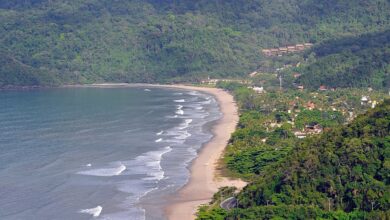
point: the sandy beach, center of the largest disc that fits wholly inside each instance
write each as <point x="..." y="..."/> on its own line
<point x="205" y="178"/>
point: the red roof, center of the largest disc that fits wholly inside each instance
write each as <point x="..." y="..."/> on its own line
<point x="323" y="88"/>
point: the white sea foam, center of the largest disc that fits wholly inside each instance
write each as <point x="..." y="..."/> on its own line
<point x="150" y="164"/>
<point x="188" y="121"/>
<point x="208" y="101"/>
<point x="182" y="135"/>
<point x="185" y="124"/>
<point x="199" y="108"/>
<point x="178" y="93"/>
<point x="159" y="133"/>
<point x="172" y="116"/>
<point x="95" y="212"/>
<point x="158" y="140"/>
<point x="180" y="100"/>
<point x="147" y="90"/>
<point x="88" y="165"/>
<point x="179" y="112"/>
<point x="192" y="151"/>
<point x="193" y="93"/>
<point x="155" y="170"/>
<point x="115" y="171"/>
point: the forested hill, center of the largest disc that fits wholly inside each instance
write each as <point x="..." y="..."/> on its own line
<point x="341" y="174"/>
<point x="80" y="41"/>
<point x="362" y="61"/>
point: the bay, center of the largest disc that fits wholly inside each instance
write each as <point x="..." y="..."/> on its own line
<point x="82" y="153"/>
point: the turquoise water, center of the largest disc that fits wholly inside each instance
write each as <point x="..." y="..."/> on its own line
<point x="83" y="153"/>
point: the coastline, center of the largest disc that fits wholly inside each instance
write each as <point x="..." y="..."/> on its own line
<point x="205" y="179"/>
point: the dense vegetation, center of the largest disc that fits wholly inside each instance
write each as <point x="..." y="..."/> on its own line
<point x="268" y="121"/>
<point x="345" y="169"/>
<point x="253" y="148"/>
<point x="49" y="42"/>
<point x="362" y="61"/>
<point x="341" y="174"/>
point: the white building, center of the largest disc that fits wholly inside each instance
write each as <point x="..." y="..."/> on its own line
<point x="364" y="100"/>
<point x="258" y="89"/>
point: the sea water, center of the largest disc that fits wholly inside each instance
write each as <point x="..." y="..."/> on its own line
<point x="98" y="153"/>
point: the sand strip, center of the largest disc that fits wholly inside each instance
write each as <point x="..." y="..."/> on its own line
<point x="205" y="179"/>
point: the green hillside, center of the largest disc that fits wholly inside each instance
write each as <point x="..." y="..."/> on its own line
<point x="341" y="174"/>
<point x="362" y="61"/>
<point x="49" y="42"/>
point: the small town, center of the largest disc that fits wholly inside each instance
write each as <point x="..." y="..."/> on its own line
<point x="306" y="112"/>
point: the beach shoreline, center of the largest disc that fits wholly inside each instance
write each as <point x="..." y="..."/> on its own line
<point x="205" y="178"/>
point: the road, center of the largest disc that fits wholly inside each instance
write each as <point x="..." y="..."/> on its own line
<point x="229" y="203"/>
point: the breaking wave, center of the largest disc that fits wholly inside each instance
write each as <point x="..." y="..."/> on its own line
<point x="115" y="171"/>
<point x="95" y="212"/>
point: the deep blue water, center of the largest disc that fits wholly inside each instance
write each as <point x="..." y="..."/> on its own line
<point x="75" y="153"/>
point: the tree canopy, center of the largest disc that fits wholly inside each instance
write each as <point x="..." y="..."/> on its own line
<point x="341" y="174"/>
<point x="49" y="42"/>
<point x="362" y="61"/>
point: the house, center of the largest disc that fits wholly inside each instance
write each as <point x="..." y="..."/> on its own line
<point x="300" y="47"/>
<point x="313" y="129"/>
<point x="283" y="50"/>
<point x="308" y="45"/>
<point x="210" y="81"/>
<point x="258" y="89"/>
<point x="267" y="52"/>
<point x="253" y="74"/>
<point x="323" y="88"/>
<point x="300" y="134"/>
<point x="351" y="116"/>
<point x="296" y="75"/>
<point x="287" y="49"/>
<point x="373" y="104"/>
<point x="310" y="105"/>
<point x="364" y="100"/>
<point x="274" y="51"/>
<point x="291" y="49"/>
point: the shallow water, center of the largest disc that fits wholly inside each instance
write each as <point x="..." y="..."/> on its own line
<point x="93" y="153"/>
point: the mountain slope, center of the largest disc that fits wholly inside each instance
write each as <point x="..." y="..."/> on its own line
<point x="362" y="61"/>
<point x="148" y="41"/>
<point x="342" y="174"/>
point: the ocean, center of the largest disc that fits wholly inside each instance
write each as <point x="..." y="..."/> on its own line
<point x="98" y="153"/>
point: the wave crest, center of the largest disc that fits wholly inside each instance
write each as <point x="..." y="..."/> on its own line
<point x="104" y="171"/>
<point x="95" y="212"/>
